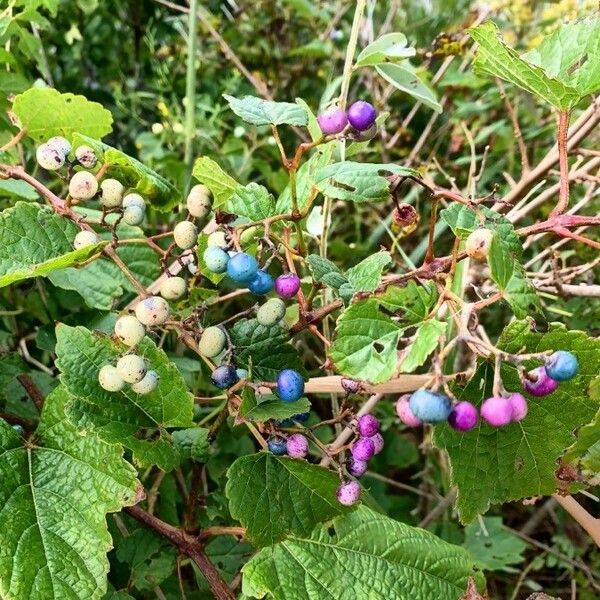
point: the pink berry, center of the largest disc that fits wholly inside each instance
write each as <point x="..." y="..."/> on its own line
<point x="496" y="411"/>
<point x="332" y="121"/>
<point x="297" y="446"/>
<point x="463" y="416"/>
<point x="351" y="386"/>
<point x="357" y="467"/>
<point x="405" y="414"/>
<point x="378" y="442"/>
<point x="363" y="448"/>
<point x="348" y="493"/>
<point x="287" y="285"/>
<point x="541" y="384"/>
<point x="367" y="425"/>
<point x="519" y="406"/>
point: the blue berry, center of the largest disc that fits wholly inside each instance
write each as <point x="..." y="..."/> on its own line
<point x="562" y="366"/>
<point x="277" y="446"/>
<point x="216" y="259"/>
<point x="261" y="284"/>
<point x="224" y="376"/>
<point x="430" y="407"/>
<point x="242" y="267"/>
<point x="19" y="429"/>
<point x="290" y="385"/>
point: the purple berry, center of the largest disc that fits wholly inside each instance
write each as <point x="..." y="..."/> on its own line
<point x="362" y="115"/>
<point x="367" y="425"/>
<point x="363" y="448"/>
<point x="519" y="406"/>
<point x="332" y="121"/>
<point x="351" y="386"/>
<point x="357" y="467"/>
<point x="348" y="493"/>
<point x="287" y="285"/>
<point x="297" y="446"/>
<point x="378" y="442"/>
<point x="463" y="416"/>
<point x="496" y="411"/>
<point x="541" y="384"/>
<point x="405" y="414"/>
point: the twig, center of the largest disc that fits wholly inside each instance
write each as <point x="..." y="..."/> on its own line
<point x="588" y="522"/>
<point x="32" y="390"/>
<point x="440" y="508"/>
<point x="563" y="198"/>
<point x="14" y="140"/>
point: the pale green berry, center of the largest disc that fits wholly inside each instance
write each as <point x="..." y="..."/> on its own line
<point x="134" y="215"/>
<point x="212" y="342"/>
<point x="110" y="379"/>
<point x="198" y="201"/>
<point x="249" y="235"/>
<point x="83" y="186"/>
<point x="112" y="193"/>
<point x="148" y="384"/>
<point x="85" y="238"/>
<point x="86" y="157"/>
<point x="173" y="288"/>
<point x="60" y="144"/>
<point x="133" y="199"/>
<point x="129" y="330"/>
<point x="217" y="238"/>
<point x="185" y="235"/>
<point x="131" y="368"/>
<point x="271" y="312"/>
<point x="478" y="243"/>
<point x="49" y="158"/>
<point x="152" y="311"/>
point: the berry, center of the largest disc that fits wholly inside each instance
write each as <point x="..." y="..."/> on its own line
<point x="242" y="373"/>
<point x="133" y="199"/>
<point x="217" y="238"/>
<point x="112" y="193"/>
<point x="212" y="341"/>
<point x="19" y="429"/>
<point x="519" y="406"/>
<point x="367" y="425"/>
<point x="134" y="215"/>
<point x="290" y="385"/>
<point x="405" y="215"/>
<point x="287" y="285"/>
<point x="152" y="311"/>
<point x="364" y="136"/>
<point x="430" y="407"/>
<point x="242" y="267"/>
<point x="131" y="368"/>
<point x="48" y="158"/>
<point x="60" y="144"/>
<point x="216" y="259"/>
<point x="147" y="384"/>
<point x="261" y="284"/>
<point x="301" y="418"/>
<point x="271" y="312"/>
<point x="297" y="446"/>
<point x="496" y="411"/>
<point x="348" y="493"/>
<point x="198" y="201"/>
<point x="185" y="235"/>
<point x="562" y="366"/>
<point x="362" y="115"/>
<point x="378" y="442"/>
<point x="110" y="379"/>
<point x="85" y="238"/>
<point x="224" y="376"/>
<point x="129" y="330"/>
<point x="277" y="446"/>
<point x="83" y="186"/>
<point x="86" y="157"/>
<point x="405" y="414"/>
<point x="357" y="467"/>
<point x="173" y="288"/>
<point x="350" y="386"/>
<point x="363" y="448"/>
<point x="478" y="244"/>
<point x="463" y="416"/>
<point x="541" y="384"/>
<point x="332" y="121"/>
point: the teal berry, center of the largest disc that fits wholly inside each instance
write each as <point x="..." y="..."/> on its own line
<point x="562" y="366"/>
<point x="290" y="385"/>
<point x="242" y="373"/>
<point x="261" y="283"/>
<point x="277" y="446"/>
<point x="216" y="259"/>
<point x="430" y="407"/>
<point x="242" y="267"/>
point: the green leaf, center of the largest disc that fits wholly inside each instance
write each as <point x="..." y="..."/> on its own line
<point x="264" y="351"/>
<point x="265" y="112"/>
<point x="133" y="174"/>
<point x="313" y="125"/>
<point x="34" y="241"/>
<point x="366" y="275"/>
<point x="55" y="492"/>
<point x="267" y="407"/>
<point x="325" y="271"/>
<point x="221" y="185"/>
<point x="404" y="77"/>
<point x="193" y="443"/>
<point x="410" y="304"/>
<point x="518" y="461"/>
<point x="360" y="555"/>
<point x="390" y="47"/>
<point x="274" y="496"/>
<point x="18" y="188"/>
<point x="424" y="343"/>
<point x="123" y="417"/>
<point x="45" y="112"/>
<point x="358" y="182"/>
<point x="252" y="201"/>
<point x="495" y="59"/>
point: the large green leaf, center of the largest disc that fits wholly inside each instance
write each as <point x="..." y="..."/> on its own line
<point x="366" y="275"/>
<point x="55" y="491"/>
<point x="390" y="47"/>
<point x="221" y="185"/>
<point x="264" y="408"/>
<point x="492" y="465"/>
<point x="360" y="555"/>
<point x="252" y="201"/>
<point x="411" y="303"/>
<point x="45" y="112"/>
<point x="34" y="241"/>
<point x="423" y="344"/>
<point x="265" y="112"/>
<point x="274" y="496"/>
<point x="137" y="421"/>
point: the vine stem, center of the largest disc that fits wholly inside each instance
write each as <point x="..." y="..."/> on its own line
<point x="563" y="196"/>
<point x="190" y="89"/>
<point x="590" y="523"/>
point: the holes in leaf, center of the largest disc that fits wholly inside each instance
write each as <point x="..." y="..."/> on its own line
<point x="343" y="186"/>
<point x="331" y="531"/>
<point x="379" y="347"/>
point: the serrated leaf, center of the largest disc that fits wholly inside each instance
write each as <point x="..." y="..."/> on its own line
<point x="518" y="461"/>
<point x="45" y="112"/>
<point x="265" y="112"/>
<point x="138" y="422"/>
<point x="411" y="303"/>
<point x="363" y="554"/>
<point x="221" y="185"/>
<point x="34" y="241"/>
<point x="312" y="125"/>
<point x="269" y="406"/>
<point x="192" y="443"/>
<point x="424" y="343"/>
<point x="252" y="201"/>
<point x="366" y="275"/>
<point x="18" y="188"/>
<point x="325" y="271"/>
<point x="274" y="496"/>
<point x="55" y="494"/>
<point x="390" y="47"/>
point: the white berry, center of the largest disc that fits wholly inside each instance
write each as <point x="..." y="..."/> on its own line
<point x="478" y="243"/>
<point x="152" y="311"/>
<point x="83" y="186"/>
<point x="60" y="144"/>
<point x="129" y="330"/>
<point x="112" y="193"/>
<point x="173" y="288"/>
<point x="134" y="215"/>
<point x="85" y="238"/>
<point x="110" y="380"/>
<point x="86" y="157"/>
<point x="217" y="238"/>
<point x="48" y="158"/>
<point x="212" y="341"/>
<point x="198" y="201"/>
<point x="148" y="384"/>
<point x="131" y="368"/>
<point x="133" y="199"/>
<point x="185" y="235"/>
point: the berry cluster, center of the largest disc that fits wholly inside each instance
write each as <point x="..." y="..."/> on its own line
<point x="295" y="446"/>
<point x="361" y="116"/>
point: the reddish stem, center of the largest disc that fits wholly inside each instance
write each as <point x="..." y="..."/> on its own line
<point x="563" y="195"/>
